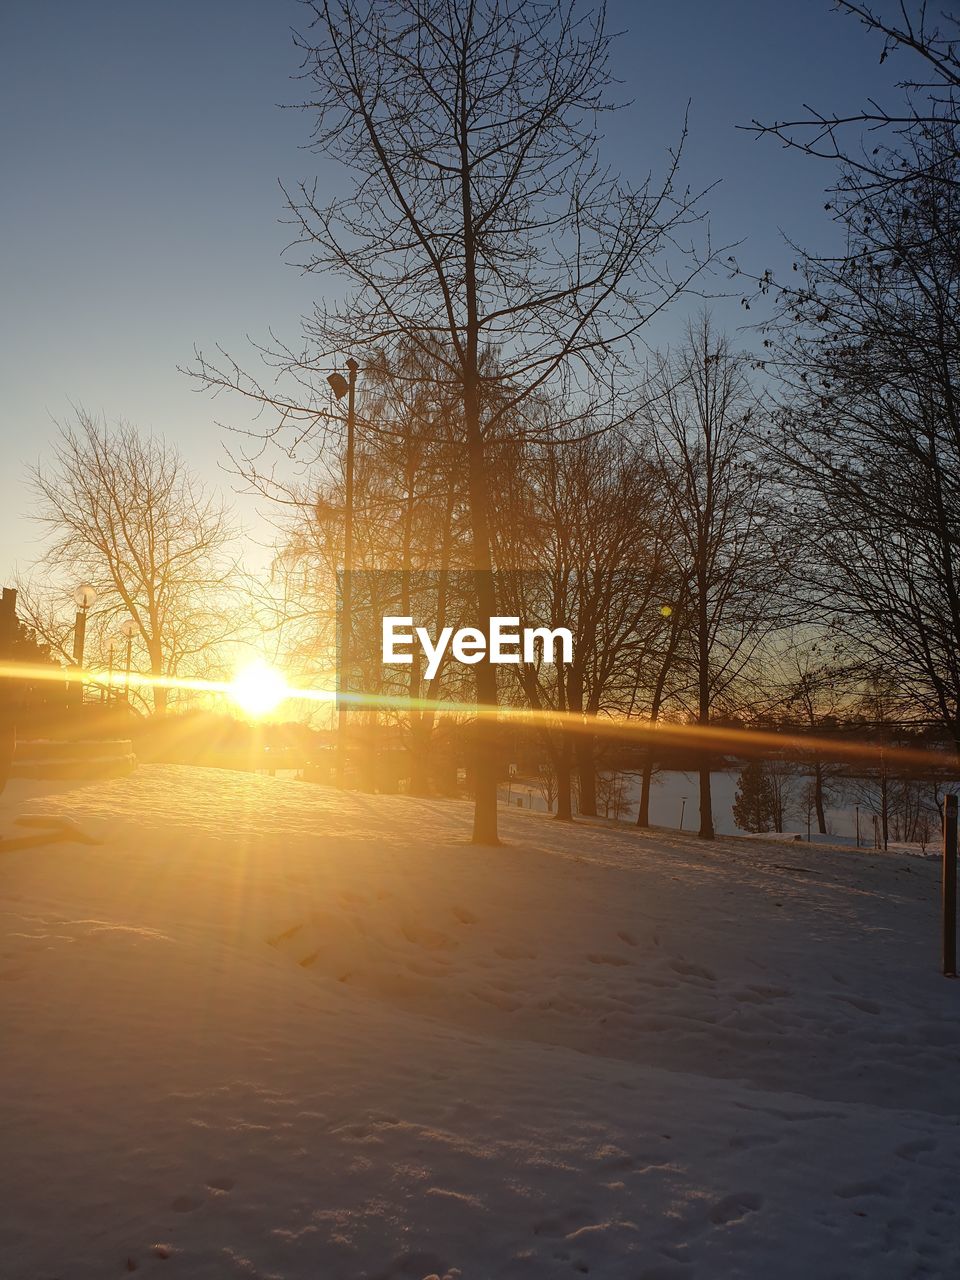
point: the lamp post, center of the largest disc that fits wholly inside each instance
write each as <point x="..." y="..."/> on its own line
<point x="8" y="724"/>
<point x="128" y="627"/>
<point x="683" y="806"/>
<point x="83" y="598"/>
<point x="106" y="690"/>
<point x="341" y="387"/>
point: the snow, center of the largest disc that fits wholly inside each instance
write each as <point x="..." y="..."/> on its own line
<point x="260" y="1029"/>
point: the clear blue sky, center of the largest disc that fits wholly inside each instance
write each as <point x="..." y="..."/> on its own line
<point x="142" y="145"/>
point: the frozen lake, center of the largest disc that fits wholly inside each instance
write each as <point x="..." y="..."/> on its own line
<point x="674" y="802"/>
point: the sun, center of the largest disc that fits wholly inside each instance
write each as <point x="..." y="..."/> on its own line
<point x="258" y="689"/>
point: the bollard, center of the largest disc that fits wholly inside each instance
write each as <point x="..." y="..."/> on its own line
<point x="949" y="902"/>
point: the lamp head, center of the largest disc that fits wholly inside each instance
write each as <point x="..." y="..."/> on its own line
<point x="338" y="385"/>
<point x="84" y="595"/>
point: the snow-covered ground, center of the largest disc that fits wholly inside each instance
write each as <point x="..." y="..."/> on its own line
<point x="263" y="1030"/>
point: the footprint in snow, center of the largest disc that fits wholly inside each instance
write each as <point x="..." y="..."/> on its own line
<point x="600" y="957"/>
<point x="515" y="953"/>
<point x="688" y="970"/>
<point x="429" y="939"/>
<point x="619" y="1162"/>
<point x="564" y="1224"/>
<point x="499" y="999"/>
<point x="868" y="1187"/>
<point x="865" y="1006"/>
<point x="747" y="1141"/>
<point x="758" y="994"/>
<point x="735" y="1208"/>
<point x="286" y="934"/>
<point x="910" y="1150"/>
<point x="780" y="1113"/>
<point x="185" y="1204"/>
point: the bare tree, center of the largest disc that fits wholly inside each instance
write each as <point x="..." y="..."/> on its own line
<point x="867" y="348"/>
<point x="584" y="536"/>
<point x="880" y="147"/>
<point x="782" y="776"/>
<point x="123" y="513"/>
<point x="814" y="692"/>
<point x="480" y="219"/>
<point x="675" y="631"/>
<point x="729" y="546"/>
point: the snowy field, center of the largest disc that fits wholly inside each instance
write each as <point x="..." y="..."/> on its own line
<point x="256" y="1029"/>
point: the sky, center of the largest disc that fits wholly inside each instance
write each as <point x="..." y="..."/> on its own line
<point x="142" y="146"/>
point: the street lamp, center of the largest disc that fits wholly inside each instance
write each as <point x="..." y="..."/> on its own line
<point x="106" y="690"/>
<point x="128" y="627"/>
<point x="341" y="386"/>
<point x="683" y="805"/>
<point x="83" y="598"/>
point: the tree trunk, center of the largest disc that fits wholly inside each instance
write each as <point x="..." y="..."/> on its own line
<point x="418" y="740"/>
<point x="643" y="814"/>
<point x="707" y="831"/>
<point x="159" y="691"/>
<point x="706" y="799"/>
<point x="485" y="765"/>
<point x="564" y="783"/>
<point x="583" y="752"/>
<point x="485" y="773"/>
<point x="818" y="797"/>
<point x="586" y="775"/>
<point x="8" y="745"/>
<point x="419" y="751"/>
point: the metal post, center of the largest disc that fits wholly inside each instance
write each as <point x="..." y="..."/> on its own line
<point x="126" y="682"/>
<point x="8" y="724"/>
<point x="79" y="637"/>
<point x="683" y="805"/>
<point x="949" y="897"/>
<point x="106" y="691"/>
<point x="346" y="595"/>
<point x="858" y="826"/>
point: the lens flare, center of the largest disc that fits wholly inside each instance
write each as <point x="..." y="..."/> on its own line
<point x="261" y="689"/>
<point x="258" y="689"/>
